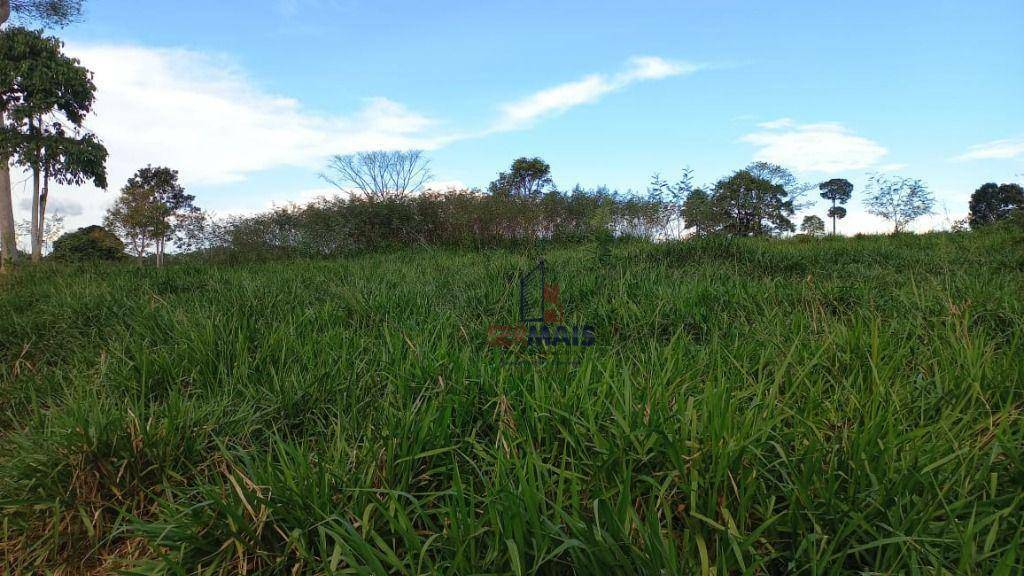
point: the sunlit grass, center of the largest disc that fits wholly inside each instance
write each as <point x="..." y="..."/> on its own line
<point x="751" y="407"/>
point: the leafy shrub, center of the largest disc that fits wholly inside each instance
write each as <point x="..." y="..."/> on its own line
<point x="88" y="244"/>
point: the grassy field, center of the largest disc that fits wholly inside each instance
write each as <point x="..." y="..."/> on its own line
<point x="750" y="407"/>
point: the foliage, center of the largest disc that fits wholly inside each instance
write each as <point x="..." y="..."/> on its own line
<point x="813" y="226"/>
<point x="898" y="200"/>
<point x="529" y="178"/>
<point x="699" y="213"/>
<point x="754" y="202"/>
<point x="836" y="213"/>
<point x="992" y="203"/>
<point x="838" y="190"/>
<point x="37" y="78"/>
<point x="152" y="209"/>
<point x="91" y="243"/>
<point x="752" y="406"/>
<point x="379" y="175"/>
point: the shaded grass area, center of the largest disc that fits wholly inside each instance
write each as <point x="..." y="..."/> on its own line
<point x="751" y="407"/>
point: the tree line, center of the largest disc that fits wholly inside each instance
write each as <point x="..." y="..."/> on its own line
<point x="523" y="205"/>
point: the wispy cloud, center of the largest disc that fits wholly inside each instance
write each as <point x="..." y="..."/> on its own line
<point x="558" y="99"/>
<point x="777" y="124"/>
<point x="1005" y="149"/>
<point x="822" y="147"/>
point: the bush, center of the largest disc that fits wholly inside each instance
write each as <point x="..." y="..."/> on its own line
<point x="88" y="244"/>
<point x="457" y="218"/>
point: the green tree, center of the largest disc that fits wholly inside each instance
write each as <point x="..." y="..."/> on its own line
<point x="813" y="226"/>
<point x="991" y="203"/>
<point x="898" y="200"/>
<point x="699" y="213"/>
<point x="838" y="190"/>
<point x="45" y="96"/>
<point x="152" y="209"/>
<point x="749" y="205"/>
<point x="46" y="13"/>
<point x="528" y="178"/>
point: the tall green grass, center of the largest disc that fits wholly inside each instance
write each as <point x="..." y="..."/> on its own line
<point x="751" y="407"/>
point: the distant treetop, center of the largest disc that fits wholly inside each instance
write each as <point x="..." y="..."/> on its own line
<point x="58" y="13"/>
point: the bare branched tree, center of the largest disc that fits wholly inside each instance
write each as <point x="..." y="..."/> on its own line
<point x="898" y="200"/>
<point x="381" y="174"/>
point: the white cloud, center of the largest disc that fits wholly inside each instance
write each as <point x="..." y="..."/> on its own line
<point x="655" y="68"/>
<point x="557" y="99"/>
<point x="776" y="124"/>
<point x="201" y="116"/>
<point x="996" y="150"/>
<point x="823" y="147"/>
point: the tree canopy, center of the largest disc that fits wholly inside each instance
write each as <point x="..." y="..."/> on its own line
<point x="991" y="203"/>
<point x="528" y="177"/>
<point x="754" y="202"/>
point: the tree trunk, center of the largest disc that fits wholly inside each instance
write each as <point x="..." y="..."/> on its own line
<point x="34" y="230"/>
<point x="41" y="237"/>
<point x="36" y="185"/>
<point x="833" y="216"/>
<point x="8" y="248"/>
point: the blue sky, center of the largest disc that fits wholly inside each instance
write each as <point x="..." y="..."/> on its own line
<point x="248" y="98"/>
